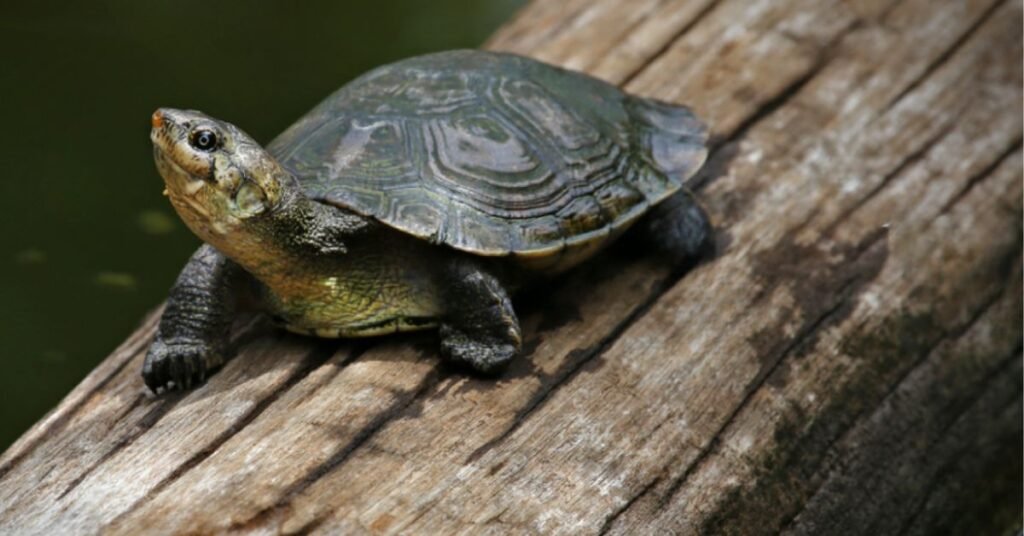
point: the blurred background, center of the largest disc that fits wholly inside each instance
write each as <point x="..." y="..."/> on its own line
<point x="88" y="244"/>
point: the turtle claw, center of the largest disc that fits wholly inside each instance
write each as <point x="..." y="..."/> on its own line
<point x="178" y="365"/>
<point x="484" y="356"/>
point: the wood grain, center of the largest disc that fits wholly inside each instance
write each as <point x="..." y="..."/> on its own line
<point x="850" y="362"/>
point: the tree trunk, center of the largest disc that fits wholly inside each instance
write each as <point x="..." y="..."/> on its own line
<point x="849" y="362"/>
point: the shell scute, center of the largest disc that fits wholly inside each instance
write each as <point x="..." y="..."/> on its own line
<point x="557" y="122"/>
<point x="581" y="216"/>
<point x="620" y="200"/>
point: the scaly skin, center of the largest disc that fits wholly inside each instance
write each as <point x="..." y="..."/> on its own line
<point x="384" y="283"/>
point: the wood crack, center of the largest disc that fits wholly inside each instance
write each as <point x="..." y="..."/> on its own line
<point x="1013" y="147"/>
<point x="576" y="359"/>
<point x="944" y="57"/>
<point x="997" y="372"/>
<point x="668" y="44"/>
<point x="866" y="412"/>
<point x="836" y="310"/>
<point x="310" y="526"/>
<point x="750" y="391"/>
<point x="344" y="453"/>
<point x="906" y="163"/>
<point x="164" y="405"/>
<point x="614" y="516"/>
<point x="61" y="421"/>
<point x="646" y="16"/>
<point x="724" y="148"/>
<point x="313" y="360"/>
<point x="555" y="30"/>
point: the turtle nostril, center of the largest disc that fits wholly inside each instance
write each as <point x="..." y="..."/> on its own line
<point x="158" y="119"/>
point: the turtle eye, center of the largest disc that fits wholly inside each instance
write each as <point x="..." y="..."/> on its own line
<point x="204" y="140"/>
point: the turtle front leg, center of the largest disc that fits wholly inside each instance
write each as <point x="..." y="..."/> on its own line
<point x="193" y="332"/>
<point x="480" y="328"/>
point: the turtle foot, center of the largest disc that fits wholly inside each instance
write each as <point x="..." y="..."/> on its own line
<point x="482" y="355"/>
<point x="179" y="365"/>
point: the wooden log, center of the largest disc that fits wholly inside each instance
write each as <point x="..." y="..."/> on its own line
<point x="850" y="362"/>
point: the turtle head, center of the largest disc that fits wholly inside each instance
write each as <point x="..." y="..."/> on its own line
<point x="216" y="176"/>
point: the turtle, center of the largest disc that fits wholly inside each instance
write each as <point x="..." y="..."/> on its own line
<point x="420" y="195"/>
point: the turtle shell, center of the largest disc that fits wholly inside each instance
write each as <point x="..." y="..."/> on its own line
<point x="493" y="154"/>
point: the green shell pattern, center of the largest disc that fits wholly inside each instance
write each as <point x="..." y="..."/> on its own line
<point x="492" y="153"/>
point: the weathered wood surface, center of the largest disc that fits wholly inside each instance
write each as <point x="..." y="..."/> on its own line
<point x="849" y="363"/>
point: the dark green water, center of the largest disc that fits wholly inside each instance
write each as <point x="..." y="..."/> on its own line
<point x="88" y="243"/>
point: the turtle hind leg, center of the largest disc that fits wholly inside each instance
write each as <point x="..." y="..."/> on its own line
<point x="480" y="329"/>
<point x="678" y="230"/>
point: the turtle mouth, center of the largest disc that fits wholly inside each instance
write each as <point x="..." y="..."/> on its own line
<point x="184" y="192"/>
<point x="157" y="119"/>
<point x="163" y="133"/>
<point x="162" y="159"/>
